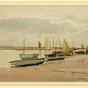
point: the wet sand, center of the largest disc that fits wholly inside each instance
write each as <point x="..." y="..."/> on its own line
<point x="71" y="69"/>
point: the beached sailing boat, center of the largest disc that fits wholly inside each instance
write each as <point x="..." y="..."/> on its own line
<point x="25" y="56"/>
<point x="53" y="55"/>
<point x="27" y="59"/>
<point x="64" y="49"/>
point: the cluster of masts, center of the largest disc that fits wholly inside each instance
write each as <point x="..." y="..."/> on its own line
<point x="65" y="49"/>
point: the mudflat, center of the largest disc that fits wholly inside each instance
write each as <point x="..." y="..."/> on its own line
<point x="71" y="69"/>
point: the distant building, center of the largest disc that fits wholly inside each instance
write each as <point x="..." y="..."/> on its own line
<point x="82" y="46"/>
<point x="39" y="44"/>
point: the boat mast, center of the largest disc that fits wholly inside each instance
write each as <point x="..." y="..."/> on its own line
<point x="24" y="45"/>
<point x="39" y="46"/>
<point x="53" y="46"/>
<point x="45" y="44"/>
<point x="60" y="43"/>
<point x="56" y="46"/>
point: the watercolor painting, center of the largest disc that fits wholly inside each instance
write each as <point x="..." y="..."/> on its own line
<point x="43" y="43"/>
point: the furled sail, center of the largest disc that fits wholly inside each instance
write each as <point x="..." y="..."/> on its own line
<point x="65" y="47"/>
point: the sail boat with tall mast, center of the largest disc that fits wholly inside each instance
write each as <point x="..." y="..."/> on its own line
<point x="53" y="55"/>
<point x="27" y="59"/>
<point x="25" y="55"/>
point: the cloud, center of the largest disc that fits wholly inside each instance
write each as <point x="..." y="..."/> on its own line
<point x="31" y="24"/>
<point x="12" y="30"/>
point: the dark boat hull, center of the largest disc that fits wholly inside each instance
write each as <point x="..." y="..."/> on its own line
<point x="55" y="58"/>
<point x="26" y="62"/>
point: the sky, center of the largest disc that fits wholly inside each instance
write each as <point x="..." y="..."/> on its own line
<point x="35" y="22"/>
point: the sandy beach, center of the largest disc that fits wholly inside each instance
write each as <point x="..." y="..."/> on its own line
<point x="71" y="69"/>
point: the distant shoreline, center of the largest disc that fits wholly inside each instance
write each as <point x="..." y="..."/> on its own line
<point x="30" y="48"/>
<point x="26" y="48"/>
